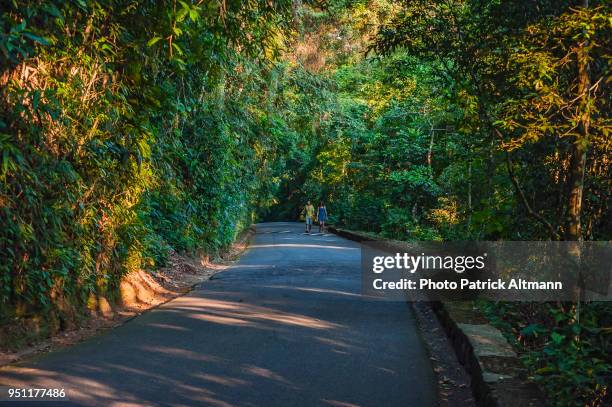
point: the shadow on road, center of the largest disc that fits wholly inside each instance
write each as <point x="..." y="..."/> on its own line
<point x="285" y="326"/>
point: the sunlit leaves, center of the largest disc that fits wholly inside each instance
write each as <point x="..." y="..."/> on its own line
<point x="116" y="146"/>
<point x="153" y="41"/>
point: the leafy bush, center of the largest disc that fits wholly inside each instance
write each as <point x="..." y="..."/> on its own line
<point x="566" y="349"/>
<point x="126" y="132"/>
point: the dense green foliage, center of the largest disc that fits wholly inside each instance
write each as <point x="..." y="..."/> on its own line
<point x="473" y="120"/>
<point x="467" y="128"/>
<point x="129" y="129"/>
<point x="570" y="359"/>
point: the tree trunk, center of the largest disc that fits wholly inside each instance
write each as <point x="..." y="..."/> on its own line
<point x="577" y="166"/>
<point x="469" y="219"/>
<point x="579" y="152"/>
<point x="430" y="151"/>
<point x="578" y="163"/>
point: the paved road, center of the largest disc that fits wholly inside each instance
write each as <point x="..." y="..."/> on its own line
<point x="285" y="326"/>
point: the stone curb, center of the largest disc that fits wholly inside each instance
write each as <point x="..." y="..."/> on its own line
<point x="498" y="377"/>
<point x="496" y="371"/>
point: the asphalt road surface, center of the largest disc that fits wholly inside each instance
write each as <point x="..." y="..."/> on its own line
<point x="284" y="326"/>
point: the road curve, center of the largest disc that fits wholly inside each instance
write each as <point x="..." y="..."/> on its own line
<point x="284" y="326"/>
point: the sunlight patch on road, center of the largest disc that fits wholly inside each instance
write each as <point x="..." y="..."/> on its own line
<point x="314" y="290"/>
<point x="267" y="374"/>
<point x="337" y="403"/>
<point x="222" y="380"/>
<point x="316" y="246"/>
<point x="182" y="353"/>
<point x="244" y="314"/>
<point x="167" y="326"/>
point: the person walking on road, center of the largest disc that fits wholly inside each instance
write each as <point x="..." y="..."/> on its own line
<point x="322" y="216"/>
<point x="309" y="212"/>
